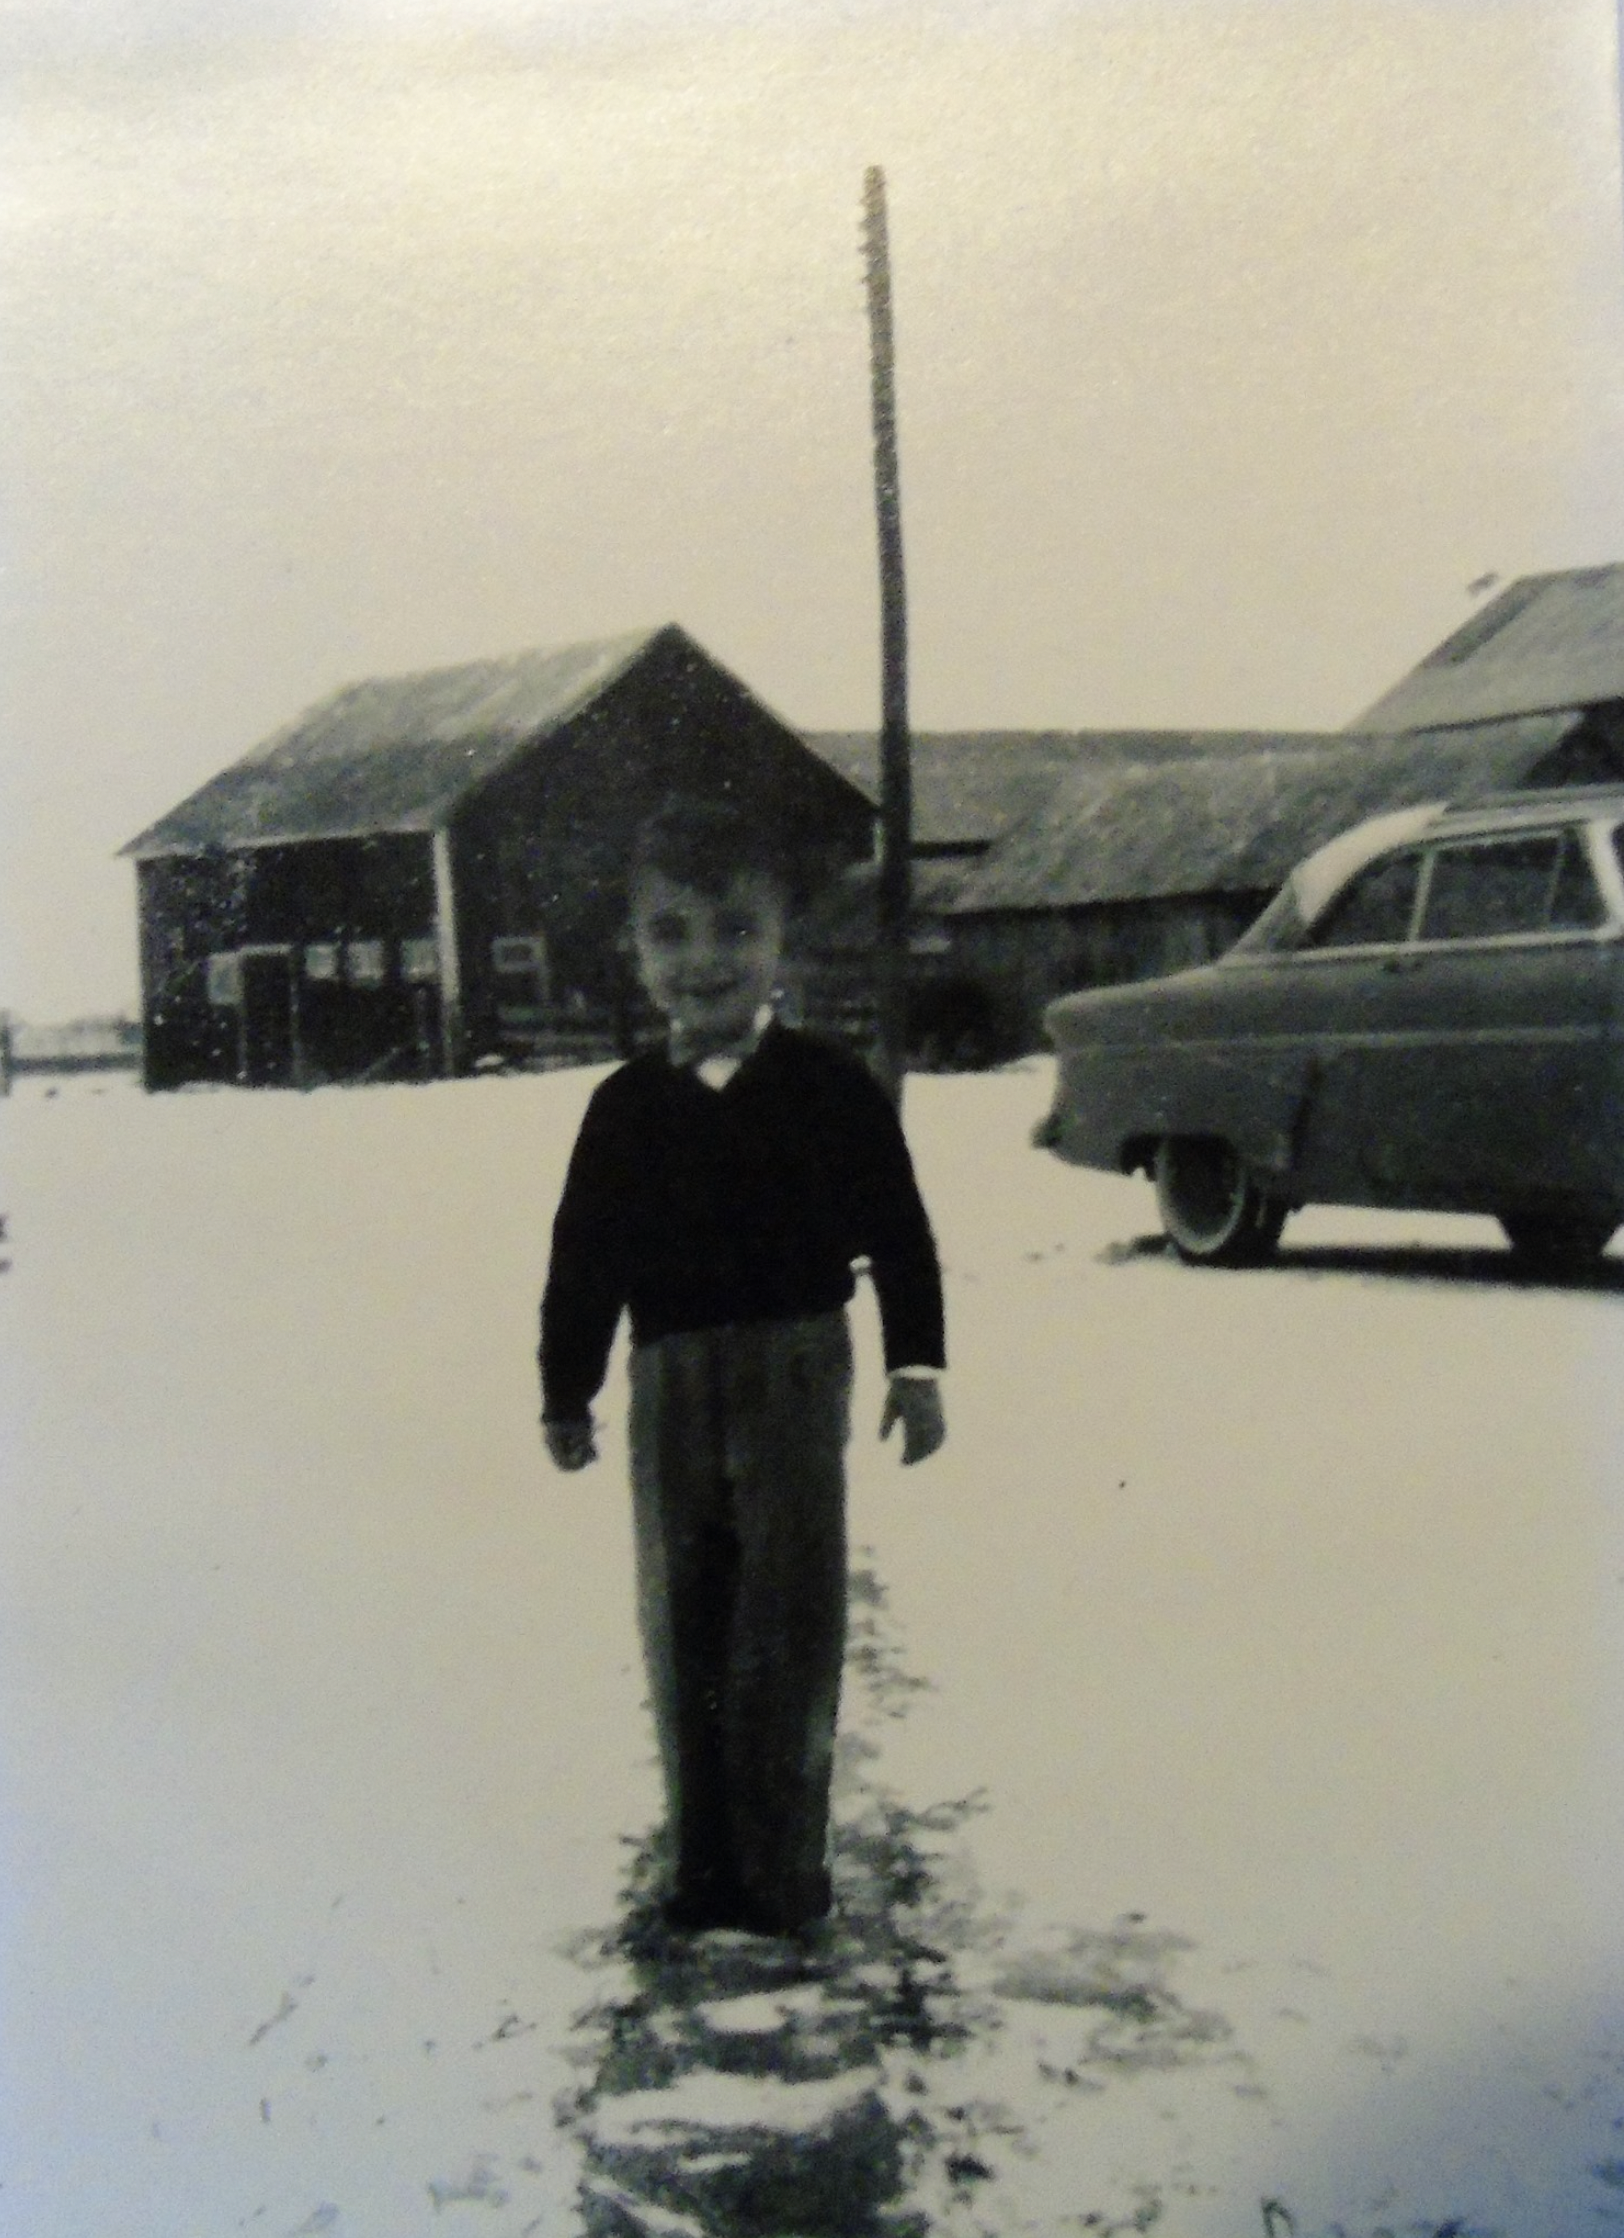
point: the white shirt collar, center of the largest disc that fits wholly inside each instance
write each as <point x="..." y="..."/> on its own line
<point x="718" y="1069"/>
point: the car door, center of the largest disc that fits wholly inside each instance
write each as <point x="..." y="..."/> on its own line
<point x="1328" y="999"/>
<point x="1483" y="1078"/>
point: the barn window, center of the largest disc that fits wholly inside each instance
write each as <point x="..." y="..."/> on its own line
<point x="365" y="963"/>
<point x="420" y="960"/>
<point x="515" y="952"/>
<point x="321" y="960"/>
<point x="1487" y="623"/>
<point x="225" y="979"/>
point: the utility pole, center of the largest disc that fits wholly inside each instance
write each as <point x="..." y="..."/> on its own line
<point x="896" y="772"/>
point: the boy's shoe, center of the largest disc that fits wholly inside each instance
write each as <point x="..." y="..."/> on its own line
<point x="760" y="1919"/>
<point x="705" y="1910"/>
<point x="696" y="1912"/>
<point x="796" y="1912"/>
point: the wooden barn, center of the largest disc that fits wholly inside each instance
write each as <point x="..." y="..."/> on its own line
<point x="1129" y="870"/>
<point x="969" y="787"/>
<point x="972" y="789"/>
<point x="1546" y="644"/>
<point x="424" y="871"/>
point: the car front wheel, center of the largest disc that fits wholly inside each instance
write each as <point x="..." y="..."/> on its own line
<point x="1214" y="1214"/>
<point x="1558" y="1242"/>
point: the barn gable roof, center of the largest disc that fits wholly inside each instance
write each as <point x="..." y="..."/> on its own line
<point x="398" y="753"/>
<point x="1233" y="823"/>
<point x="1547" y="641"/>
<point x="970" y="786"/>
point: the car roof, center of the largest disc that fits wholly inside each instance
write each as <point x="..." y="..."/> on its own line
<point x="1320" y="876"/>
<point x="1324" y="873"/>
<point x="1549" y="804"/>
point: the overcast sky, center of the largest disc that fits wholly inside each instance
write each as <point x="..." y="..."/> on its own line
<point x="1235" y="340"/>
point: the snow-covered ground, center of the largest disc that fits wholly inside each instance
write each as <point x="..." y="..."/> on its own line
<point x="1278" y="1614"/>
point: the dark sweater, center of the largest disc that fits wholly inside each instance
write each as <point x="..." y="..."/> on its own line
<point x="691" y="1207"/>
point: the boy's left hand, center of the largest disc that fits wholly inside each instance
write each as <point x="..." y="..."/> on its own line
<point x="571" y="1444"/>
<point x="916" y="1402"/>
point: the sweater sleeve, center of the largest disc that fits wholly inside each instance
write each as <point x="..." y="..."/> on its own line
<point x="894" y="1233"/>
<point x="581" y="1305"/>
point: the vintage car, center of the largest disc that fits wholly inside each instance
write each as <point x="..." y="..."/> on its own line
<point x="1429" y="1014"/>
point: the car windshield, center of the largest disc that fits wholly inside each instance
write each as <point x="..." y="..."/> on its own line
<point x="1280" y="927"/>
<point x="1374" y="910"/>
<point x="1323" y="875"/>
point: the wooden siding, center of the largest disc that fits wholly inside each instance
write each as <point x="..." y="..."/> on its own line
<point x="988" y="989"/>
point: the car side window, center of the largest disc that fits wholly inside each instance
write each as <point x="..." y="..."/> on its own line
<point x="1576" y="900"/>
<point x="1374" y="909"/>
<point x="1496" y="889"/>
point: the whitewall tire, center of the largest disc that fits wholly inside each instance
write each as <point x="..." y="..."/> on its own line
<point x="1213" y="1212"/>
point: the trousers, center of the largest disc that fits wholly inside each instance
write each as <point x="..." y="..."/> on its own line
<point x="738" y="1443"/>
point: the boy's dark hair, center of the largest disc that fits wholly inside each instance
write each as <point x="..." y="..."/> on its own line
<point x="707" y="843"/>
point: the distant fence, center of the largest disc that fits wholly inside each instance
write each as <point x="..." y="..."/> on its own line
<point x="86" y="1045"/>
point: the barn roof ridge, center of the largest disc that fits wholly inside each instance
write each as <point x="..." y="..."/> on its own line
<point x="1544" y="643"/>
<point x="1235" y="823"/>
<point x="970" y="786"/>
<point x="401" y="752"/>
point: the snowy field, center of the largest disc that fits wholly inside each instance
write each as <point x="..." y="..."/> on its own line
<point x="1278" y="1614"/>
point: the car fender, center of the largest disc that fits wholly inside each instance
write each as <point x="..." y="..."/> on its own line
<point x="1114" y="1105"/>
<point x="1161" y="1058"/>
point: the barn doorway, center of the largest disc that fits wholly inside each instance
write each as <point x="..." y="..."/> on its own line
<point x="952" y="1026"/>
<point x="268" y="1019"/>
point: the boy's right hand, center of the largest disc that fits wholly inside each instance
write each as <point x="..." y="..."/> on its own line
<point x="570" y="1444"/>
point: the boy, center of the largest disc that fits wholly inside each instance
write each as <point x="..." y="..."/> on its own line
<point x="719" y="1191"/>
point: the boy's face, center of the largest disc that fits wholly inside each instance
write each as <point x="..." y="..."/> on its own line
<point x="708" y="961"/>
